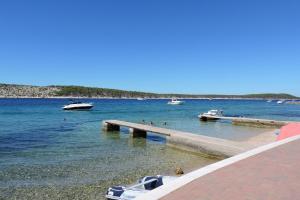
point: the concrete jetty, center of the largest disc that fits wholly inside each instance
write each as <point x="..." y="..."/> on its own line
<point x="216" y="147"/>
<point x="246" y="121"/>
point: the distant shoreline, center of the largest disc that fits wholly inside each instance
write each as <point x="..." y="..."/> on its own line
<point x="133" y="98"/>
<point x="67" y="92"/>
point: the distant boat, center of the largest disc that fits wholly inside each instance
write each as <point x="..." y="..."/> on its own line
<point x="211" y="115"/>
<point x="269" y="101"/>
<point x="78" y="106"/>
<point x="280" y="102"/>
<point x="144" y="185"/>
<point x="141" y="99"/>
<point x="174" y="101"/>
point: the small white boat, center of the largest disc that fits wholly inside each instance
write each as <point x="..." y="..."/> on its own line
<point x="141" y="99"/>
<point x="211" y="115"/>
<point x="280" y="102"/>
<point x="78" y="106"/>
<point x="143" y="186"/>
<point x="175" y="101"/>
<point x="269" y="101"/>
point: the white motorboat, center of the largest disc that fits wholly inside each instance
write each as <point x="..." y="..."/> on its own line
<point x="211" y="115"/>
<point x="143" y="186"/>
<point x="175" y="102"/>
<point x="269" y="101"/>
<point x="280" y="102"/>
<point x="141" y="99"/>
<point x="78" y="106"/>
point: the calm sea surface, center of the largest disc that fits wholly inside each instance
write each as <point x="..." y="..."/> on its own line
<point x="48" y="153"/>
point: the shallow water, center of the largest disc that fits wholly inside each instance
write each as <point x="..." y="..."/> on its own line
<point x="47" y="153"/>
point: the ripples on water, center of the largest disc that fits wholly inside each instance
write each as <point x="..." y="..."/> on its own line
<point x="47" y="153"/>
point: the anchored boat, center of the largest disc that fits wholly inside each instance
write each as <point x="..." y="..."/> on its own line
<point x="143" y="186"/>
<point x="175" y="102"/>
<point x="141" y="99"/>
<point x="211" y="115"/>
<point x="280" y="102"/>
<point x="78" y="106"/>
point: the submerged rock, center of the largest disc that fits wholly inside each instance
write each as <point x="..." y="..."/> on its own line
<point x="179" y="171"/>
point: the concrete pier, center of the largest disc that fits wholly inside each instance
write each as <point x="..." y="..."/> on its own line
<point x="137" y="133"/>
<point x="110" y="127"/>
<point x="247" y="121"/>
<point x="259" y="122"/>
<point x="216" y="147"/>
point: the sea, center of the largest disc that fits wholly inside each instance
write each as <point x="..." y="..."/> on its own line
<point x="49" y="153"/>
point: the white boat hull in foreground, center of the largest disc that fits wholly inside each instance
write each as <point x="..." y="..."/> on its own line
<point x="144" y="185"/>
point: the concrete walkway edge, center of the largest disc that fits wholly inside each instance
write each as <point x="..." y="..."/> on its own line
<point x="185" y="179"/>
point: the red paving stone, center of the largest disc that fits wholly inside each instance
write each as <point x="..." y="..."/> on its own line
<point x="271" y="175"/>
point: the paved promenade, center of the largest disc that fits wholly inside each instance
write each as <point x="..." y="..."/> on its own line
<point x="270" y="172"/>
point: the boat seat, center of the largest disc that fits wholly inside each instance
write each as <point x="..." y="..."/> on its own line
<point x="154" y="184"/>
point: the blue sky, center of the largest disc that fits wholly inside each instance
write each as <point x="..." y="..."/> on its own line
<point x="203" y="46"/>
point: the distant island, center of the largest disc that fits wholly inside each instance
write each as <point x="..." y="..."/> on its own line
<point x="56" y="91"/>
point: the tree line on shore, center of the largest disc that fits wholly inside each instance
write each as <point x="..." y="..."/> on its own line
<point x="13" y="90"/>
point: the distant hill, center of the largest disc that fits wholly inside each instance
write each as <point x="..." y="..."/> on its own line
<point x="271" y="96"/>
<point x="18" y="91"/>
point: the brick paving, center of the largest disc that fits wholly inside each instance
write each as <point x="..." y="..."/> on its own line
<point x="270" y="175"/>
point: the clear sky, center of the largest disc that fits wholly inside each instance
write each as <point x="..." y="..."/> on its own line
<point x="201" y="46"/>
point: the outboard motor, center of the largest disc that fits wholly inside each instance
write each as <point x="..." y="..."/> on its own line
<point x="152" y="185"/>
<point x="115" y="192"/>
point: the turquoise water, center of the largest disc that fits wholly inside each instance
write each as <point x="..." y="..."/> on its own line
<point x="48" y="153"/>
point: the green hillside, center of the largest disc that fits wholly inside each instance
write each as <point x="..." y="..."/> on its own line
<point x="14" y="91"/>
